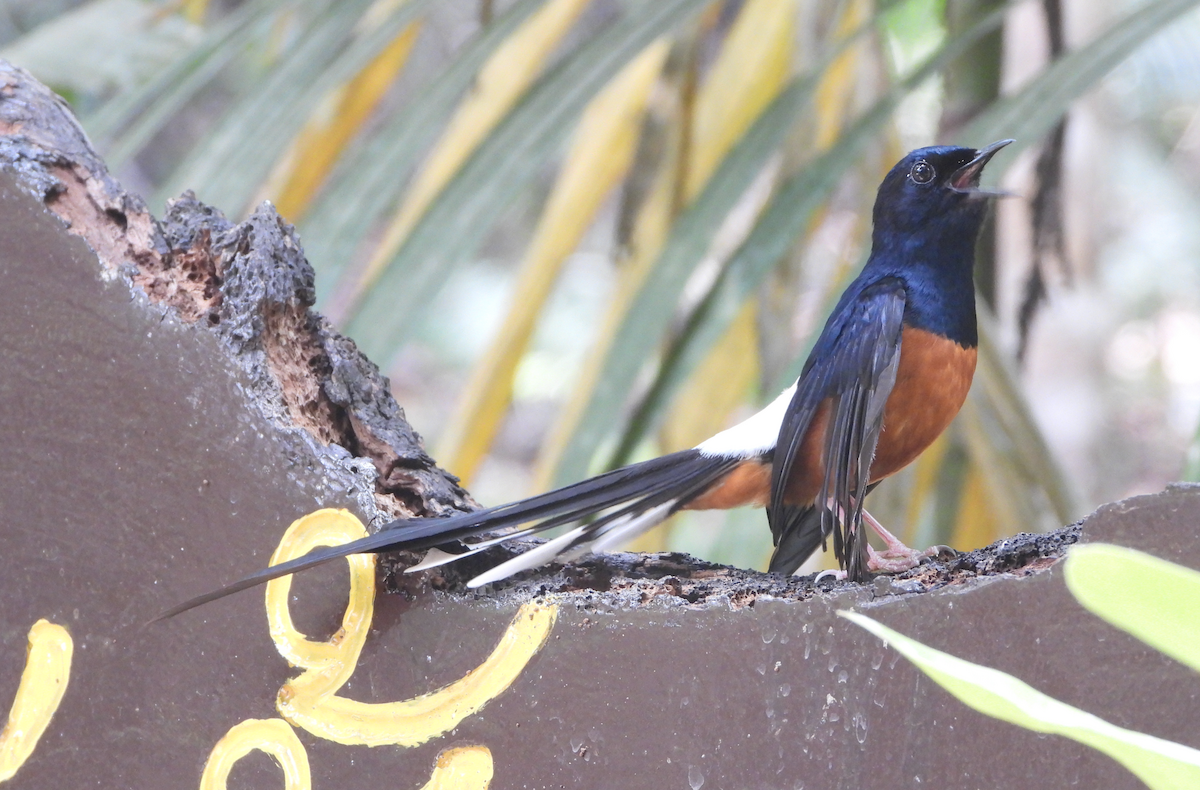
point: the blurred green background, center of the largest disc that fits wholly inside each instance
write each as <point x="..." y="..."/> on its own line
<point x="576" y="233"/>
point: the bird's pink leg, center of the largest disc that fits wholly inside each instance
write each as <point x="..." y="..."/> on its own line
<point x="897" y="557"/>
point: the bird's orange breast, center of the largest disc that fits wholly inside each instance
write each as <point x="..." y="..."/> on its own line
<point x="932" y="381"/>
<point x="931" y="385"/>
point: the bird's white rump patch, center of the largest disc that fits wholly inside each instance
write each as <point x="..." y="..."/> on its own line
<point x="753" y="435"/>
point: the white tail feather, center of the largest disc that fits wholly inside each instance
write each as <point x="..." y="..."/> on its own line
<point x="560" y="548"/>
<point x="436" y="557"/>
<point x="530" y="559"/>
<point x="628" y="528"/>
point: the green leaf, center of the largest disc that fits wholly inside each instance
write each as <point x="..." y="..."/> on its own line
<point x="371" y="178"/>
<point x="102" y="46"/>
<point x="126" y="123"/>
<point x="1155" y="600"/>
<point x="1161" y="764"/>
<point x="1010" y="436"/>
<point x="651" y="311"/>
<point x="232" y="163"/>
<point x="457" y="221"/>
<point x="1029" y="114"/>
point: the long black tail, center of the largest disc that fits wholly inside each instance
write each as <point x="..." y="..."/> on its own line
<point x="649" y="490"/>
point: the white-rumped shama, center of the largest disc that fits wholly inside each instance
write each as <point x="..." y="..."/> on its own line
<point x="888" y="373"/>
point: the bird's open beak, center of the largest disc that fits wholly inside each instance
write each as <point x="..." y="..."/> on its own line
<point x="966" y="178"/>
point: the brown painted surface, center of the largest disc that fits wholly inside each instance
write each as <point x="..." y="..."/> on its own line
<point x="134" y="473"/>
<point x="138" y="469"/>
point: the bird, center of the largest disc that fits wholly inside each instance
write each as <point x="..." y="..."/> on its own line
<point x="887" y="374"/>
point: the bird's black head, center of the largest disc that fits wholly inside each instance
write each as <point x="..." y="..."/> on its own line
<point x="933" y="193"/>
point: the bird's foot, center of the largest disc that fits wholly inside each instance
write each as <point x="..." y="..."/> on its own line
<point x="897" y="557"/>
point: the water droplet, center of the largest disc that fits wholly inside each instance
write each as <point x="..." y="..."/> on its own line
<point x="576" y="744"/>
<point x="860" y="727"/>
<point x="832" y="663"/>
<point x="843" y="676"/>
<point x="835" y="716"/>
<point x="761" y="669"/>
<point x="695" y="778"/>
<point x="785" y="689"/>
<point x="768" y="635"/>
<point x="683" y="703"/>
<point x="877" y="661"/>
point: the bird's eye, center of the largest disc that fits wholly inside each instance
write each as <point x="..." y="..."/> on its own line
<point x="922" y="172"/>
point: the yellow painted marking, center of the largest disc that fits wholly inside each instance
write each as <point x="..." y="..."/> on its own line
<point x="272" y="736"/>
<point x="43" y="683"/>
<point x="326" y="527"/>
<point x="310" y="701"/>
<point x="464" y="768"/>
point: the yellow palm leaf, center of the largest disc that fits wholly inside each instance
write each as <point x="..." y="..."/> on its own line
<point x="836" y="91"/>
<point x="754" y="65"/>
<point x="599" y="157"/>
<point x="501" y="82"/>
<point x="310" y="158"/>
<point x="650" y="230"/>
<point x="195" y="10"/>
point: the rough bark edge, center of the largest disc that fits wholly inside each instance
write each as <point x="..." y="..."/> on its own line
<point x="676" y="579"/>
<point x="251" y="285"/>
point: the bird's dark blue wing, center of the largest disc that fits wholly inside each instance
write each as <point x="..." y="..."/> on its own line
<point x="852" y="368"/>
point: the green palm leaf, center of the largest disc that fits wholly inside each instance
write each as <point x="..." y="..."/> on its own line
<point x="456" y="222"/>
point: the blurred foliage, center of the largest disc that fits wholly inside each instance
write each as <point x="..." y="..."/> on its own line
<point x="1152" y="599"/>
<point x="718" y="146"/>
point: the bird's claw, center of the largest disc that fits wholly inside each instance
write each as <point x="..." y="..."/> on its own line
<point x="893" y="559"/>
<point x="898" y="558"/>
<point x="839" y="575"/>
